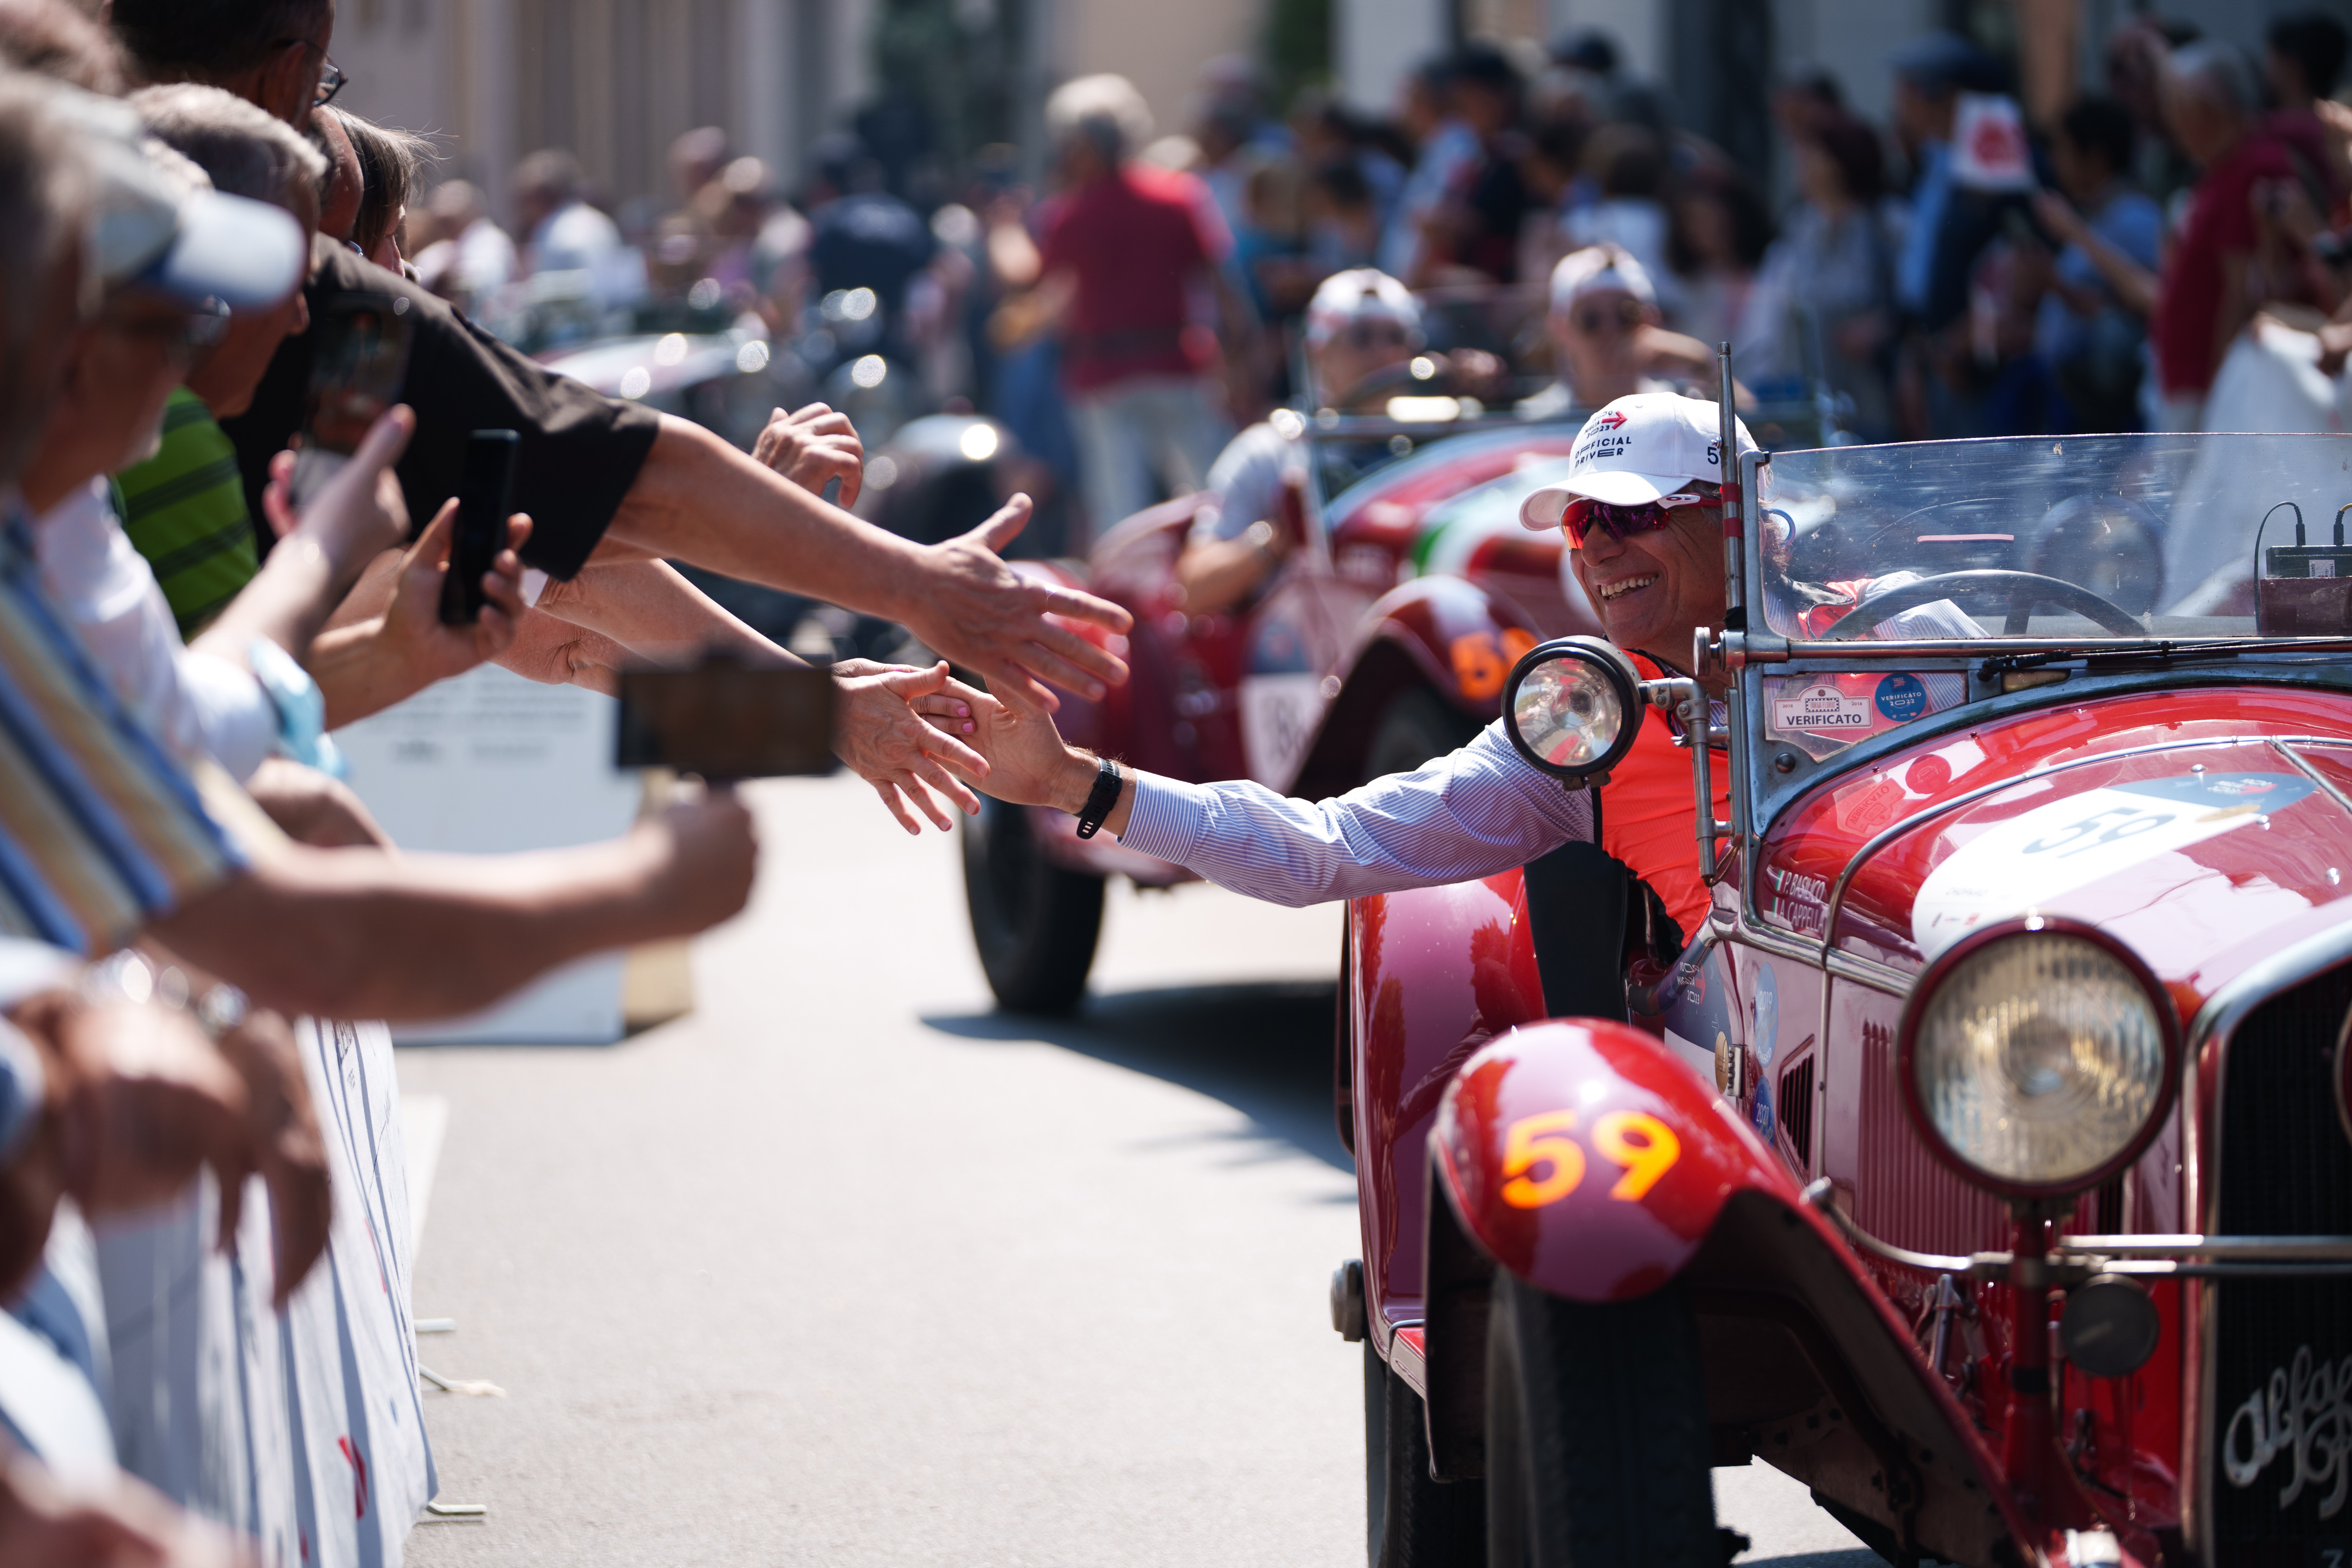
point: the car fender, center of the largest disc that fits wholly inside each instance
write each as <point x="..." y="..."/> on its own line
<point x="1808" y="1364"/>
<point x="1443" y="633"/>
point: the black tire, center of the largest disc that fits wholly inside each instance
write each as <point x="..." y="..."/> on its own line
<point x="1596" y="1434"/>
<point x="1412" y="1520"/>
<point x="1419" y="724"/>
<point x="1036" y="924"/>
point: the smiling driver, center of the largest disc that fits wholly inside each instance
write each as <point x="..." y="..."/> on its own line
<point x="1642" y="513"/>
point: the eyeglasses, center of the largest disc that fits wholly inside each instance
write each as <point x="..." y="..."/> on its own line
<point x="333" y="79"/>
<point x="1625" y="313"/>
<point x="1583" y="515"/>
<point x="182" y="335"/>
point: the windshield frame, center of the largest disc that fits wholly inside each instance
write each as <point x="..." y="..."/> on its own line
<point x="2003" y="676"/>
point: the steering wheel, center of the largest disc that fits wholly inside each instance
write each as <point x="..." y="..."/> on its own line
<point x="2032" y="589"/>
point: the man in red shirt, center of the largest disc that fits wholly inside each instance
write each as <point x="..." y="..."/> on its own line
<point x="1130" y="261"/>
<point x="2204" y="298"/>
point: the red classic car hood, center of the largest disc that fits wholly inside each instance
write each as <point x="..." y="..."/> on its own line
<point x="2222" y="838"/>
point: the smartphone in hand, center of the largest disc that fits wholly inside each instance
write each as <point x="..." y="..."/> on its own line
<point x="359" y="361"/>
<point x="484" y="491"/>
<point x="727" y="720"/>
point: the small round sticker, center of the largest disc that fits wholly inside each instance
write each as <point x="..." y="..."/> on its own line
<point x="1901" y="697"/>
<point x="1760" y="1113"/>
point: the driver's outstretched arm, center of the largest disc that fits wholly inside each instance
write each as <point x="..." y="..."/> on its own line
<point x="1472" y="813"/>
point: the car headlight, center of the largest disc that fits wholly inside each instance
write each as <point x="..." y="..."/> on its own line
<point x="2038" y="1057"/>
<point x="1572" y="708"/>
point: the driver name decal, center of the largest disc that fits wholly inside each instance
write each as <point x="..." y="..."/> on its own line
<point x="2301" y="1417"/>
<point x="2018" y="865"/>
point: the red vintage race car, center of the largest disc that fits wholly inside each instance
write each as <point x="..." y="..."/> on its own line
<point x="1985" y="1162"/>
<point x="1384" y="642"/>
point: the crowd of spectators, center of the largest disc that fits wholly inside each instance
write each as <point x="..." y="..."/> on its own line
<point x="206" y="1354"/>
<point x="1972" y="266"/>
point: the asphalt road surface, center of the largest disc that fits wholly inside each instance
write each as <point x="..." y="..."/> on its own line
<point x="846" y="1268"/>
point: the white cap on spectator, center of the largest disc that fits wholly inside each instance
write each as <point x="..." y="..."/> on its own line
<point x="1598" y="269"/>
<point x="1362" y="294"/>
<point x="165" y="233"/>
<point x="1642" y="447"/>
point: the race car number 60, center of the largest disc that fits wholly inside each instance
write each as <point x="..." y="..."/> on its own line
<point x="1645" y="1146"/>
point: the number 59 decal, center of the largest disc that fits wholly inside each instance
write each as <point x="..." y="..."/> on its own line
<point x="1545" y="1165"/>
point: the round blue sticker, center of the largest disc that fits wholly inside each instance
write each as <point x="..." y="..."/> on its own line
<point x="1760" y="1116"/>
<point x="1901" y="697"/>
<point x="1767" y="1032"/>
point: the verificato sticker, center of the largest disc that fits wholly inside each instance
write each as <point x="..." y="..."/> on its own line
<point x="1821" y="710"/>
<point x="2021" y="863"/>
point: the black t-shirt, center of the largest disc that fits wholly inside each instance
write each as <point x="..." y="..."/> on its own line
<point x="580" y="450"/>
<point x="870" y="240"/>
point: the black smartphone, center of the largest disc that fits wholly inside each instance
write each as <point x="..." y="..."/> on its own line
<point x="359" y="363"/>
<point x="485" y="493"/>
<point x="727" y="720"/>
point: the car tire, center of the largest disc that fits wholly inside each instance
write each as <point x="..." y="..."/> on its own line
<point x="1419" y="724"/>
<point x="1596" y="1434"/>
<point x="1035" y="923"/>
<point x="1413" y="1520"/>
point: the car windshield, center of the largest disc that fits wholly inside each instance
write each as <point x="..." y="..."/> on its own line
<point x="2095" y="537"/>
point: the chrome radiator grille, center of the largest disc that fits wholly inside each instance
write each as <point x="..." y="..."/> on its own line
<point x="2281" y="1434"/>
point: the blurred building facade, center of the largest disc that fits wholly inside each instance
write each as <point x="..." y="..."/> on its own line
<point x="617" y="81"/>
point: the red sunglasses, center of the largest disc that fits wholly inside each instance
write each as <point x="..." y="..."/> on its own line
<point x="1583" y="515"/>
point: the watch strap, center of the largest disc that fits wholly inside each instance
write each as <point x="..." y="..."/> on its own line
<point x="1099" y="801"/>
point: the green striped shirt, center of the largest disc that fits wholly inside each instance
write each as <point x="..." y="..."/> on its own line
<point x="184" y="511"/>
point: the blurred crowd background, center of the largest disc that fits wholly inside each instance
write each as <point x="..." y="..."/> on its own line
<point x="1948" y="217"/>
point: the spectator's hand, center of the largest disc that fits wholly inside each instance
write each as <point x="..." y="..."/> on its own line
<point x="701" y="856"/>
<point x="555" y="652"/>
<point x="121" y="1524"/>
<point x="429" y="649"/>
<point x="148" y="1098"/>
<point x="313" y="807"/>
<point x="897" y="731"/>
<point x="287" y="1145"/>
<point x="813" y="447"/>
<point x="981" y="613"/>
<point x="359" y="513"/>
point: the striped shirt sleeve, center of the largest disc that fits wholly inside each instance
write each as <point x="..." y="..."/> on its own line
<point x="1480" y="810"/>
<point x="185" y="510"/>
<point x="100" y="832"/>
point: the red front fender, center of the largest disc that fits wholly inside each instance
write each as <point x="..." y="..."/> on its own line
<point x="1547" y="1150"/>
<point x="1539" y="1100"/>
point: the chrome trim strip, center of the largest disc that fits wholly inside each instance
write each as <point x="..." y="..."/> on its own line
<point x="2250" y="1248"/>
<point x="2216" y="1022"/>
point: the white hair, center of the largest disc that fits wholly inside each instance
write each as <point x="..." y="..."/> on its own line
<point x="2224" y="71"/>
<point x="1105" y="111"/>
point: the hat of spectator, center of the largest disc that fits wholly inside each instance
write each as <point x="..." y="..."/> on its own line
<point x="150" y="229"/>
<point x="1598" y="269"/>
<point x="1362" y="294"/>
<point x="1642" y="447"/>
<point x="1948" y="61"/>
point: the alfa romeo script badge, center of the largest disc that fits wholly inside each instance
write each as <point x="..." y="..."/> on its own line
<point x="2303" y="1417"/>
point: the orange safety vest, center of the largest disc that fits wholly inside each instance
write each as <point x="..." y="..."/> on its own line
<point x="1646" y="820"/>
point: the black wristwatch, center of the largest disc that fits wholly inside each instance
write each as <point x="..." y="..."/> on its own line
<point x="1104" y="796"/>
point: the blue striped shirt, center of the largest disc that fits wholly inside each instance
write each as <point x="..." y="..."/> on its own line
<point x="1480" y="810"/>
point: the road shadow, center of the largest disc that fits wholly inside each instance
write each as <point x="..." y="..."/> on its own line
<point x="1263" y="1048"/>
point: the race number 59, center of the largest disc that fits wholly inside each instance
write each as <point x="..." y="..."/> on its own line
<point x="1543" y="1164"/>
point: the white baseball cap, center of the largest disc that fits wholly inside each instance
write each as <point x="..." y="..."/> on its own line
<point x="1599" y="269"/>
<point x="1359" y="294"/>
<point x="1642" y="447"/>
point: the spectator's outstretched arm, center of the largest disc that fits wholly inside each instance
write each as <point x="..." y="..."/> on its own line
<point x="359" y="934"/>
<point x="356" y="517"/>
<point x="699" y="499"/>
<point x="118" y="1524"/>
<point x="648" y="607"/>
